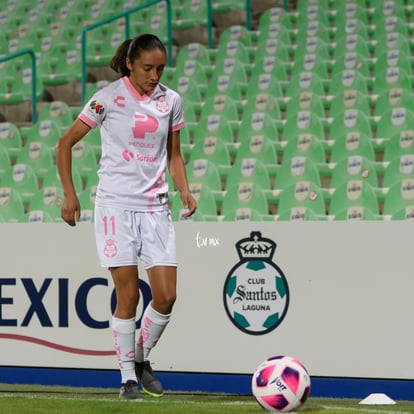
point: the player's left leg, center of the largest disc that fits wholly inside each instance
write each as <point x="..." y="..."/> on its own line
<point x="163" y="281"/>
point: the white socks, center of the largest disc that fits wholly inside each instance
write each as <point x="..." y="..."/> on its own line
<point x="152" y="326"/>
<point x="124" y="339"/>
<point x="127" y="352"/>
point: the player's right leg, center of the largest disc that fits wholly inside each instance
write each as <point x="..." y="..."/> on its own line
<point x="114" y="231"/>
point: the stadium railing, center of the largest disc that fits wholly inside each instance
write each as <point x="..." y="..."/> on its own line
<point x="32" y="55"/>
<point x="126" y="14"/>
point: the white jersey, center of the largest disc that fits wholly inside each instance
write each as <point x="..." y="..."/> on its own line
<point x="134" y="132"/>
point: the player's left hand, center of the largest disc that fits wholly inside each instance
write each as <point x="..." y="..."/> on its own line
<point x="189" y="203"/>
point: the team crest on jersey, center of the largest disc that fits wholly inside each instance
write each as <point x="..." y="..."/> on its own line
<point x="162" y="105"/>
<point x="96" y="108"/>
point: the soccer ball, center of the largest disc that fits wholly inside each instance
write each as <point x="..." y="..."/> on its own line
<point x="281" y="384"/>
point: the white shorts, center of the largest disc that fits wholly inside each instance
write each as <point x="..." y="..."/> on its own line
<point x="123" y="235"/>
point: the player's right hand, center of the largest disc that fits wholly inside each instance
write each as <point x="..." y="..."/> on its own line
<point x="71" y="210"/>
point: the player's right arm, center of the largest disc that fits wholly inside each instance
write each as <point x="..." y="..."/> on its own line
<point x="70" y="206"/>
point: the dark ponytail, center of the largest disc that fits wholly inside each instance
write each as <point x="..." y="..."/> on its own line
<point x="118" y="62"/>
<point x="131" y="49"/>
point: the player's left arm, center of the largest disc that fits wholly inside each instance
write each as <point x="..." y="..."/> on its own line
<point x="177" y="170"/>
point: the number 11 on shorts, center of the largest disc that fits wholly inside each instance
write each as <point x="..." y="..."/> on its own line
<point x="109" y="222"/>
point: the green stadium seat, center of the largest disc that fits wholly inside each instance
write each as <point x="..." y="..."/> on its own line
<point x="262" y="103"/>
<point x="206" y="203"/>
<point x="354" y="167"/>
<point x="313" y="28"/>
<point x="299" y="213"/>
<point x="393" y="98"/>
<point x="66" y="69"/>
<point x="264" y="83"/>
<point x="11" y="139"/>
<point x="37" y="216"/>
<point x="310" y="62"/>
<point x="22" y="178"/>
<point x="39" y="156"/>
<point x="305" y="101"/>
<point x="214" y="149"/>
<point x="313" y="45"/>
<point x="5" y="162"/>
<point x="262" y="148"/>
<point x="394" y="121"/>
<point x="155" y="24"/>
<point x="221" y="105"/>
<point x="300" y="195"/>
<point x="57" y="111"/>
<point x="351" y="43"/>
<point x="391" y="78"/>
<point x="273" y="47"/>
<point x="305" y="81"/>
<point x="356" y="213"/>
<point x="391" y="40"/>
<point x="350" y="60"/>
<point x="351" y="143"/>
<point x="304" y="122"/>
<point x="392" y="58"/>
<point x="354" y="193"/>
<point x="274" y="15"/>
<point x="305" y="145"/>
<point x="353" y="26"/>
<point x="214" y="125"/>
<point x="195" y="51"/>
<point x="350" y="120"/>
<point x="243" y="214"/>
<point x="192" y="69"/>
<point x="238" y="33"/>
<point x="384" y="9"/>
<point x="46" y="131"/>
<point x="350" y="10"/>
<point x="189" y="90"/>
<point x="399" y="196"/>
<point x="19" y="89"/>
<point x="312" y="12"/>
<point x="245" y="195"/>
<point x="277" y="31"/>
<point x="233" y="49"/>
<point x="271" y="65"/>
<point x="49" y="200"/>
<point x="87" y="203"/>
<point x="249" y="170"/>
<point x="406" y="213"/>
<point x="295" y="169"/>
<point x="401" y="143"/>
<point x="349" y="99"/>
<point x="230" y="67"/>
<point x="205" y="172"/>
<point x="258" y="123"/>
<point x="84" y="158"/>
<point x="346" y="80"/>
<point x="11" y="205"/>
<point x="399" y="168"/>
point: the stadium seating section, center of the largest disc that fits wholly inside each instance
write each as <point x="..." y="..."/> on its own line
<point x="302" y="114"/>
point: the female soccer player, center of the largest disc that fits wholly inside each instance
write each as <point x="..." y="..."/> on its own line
<point x="140" y="121"/>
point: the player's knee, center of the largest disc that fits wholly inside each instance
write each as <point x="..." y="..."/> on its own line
<point x="164" y="303"/>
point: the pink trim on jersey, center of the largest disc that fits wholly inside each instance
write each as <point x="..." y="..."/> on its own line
<point x="154" y="190"/>
<point x="87" y="121"/>
<point x="177" y="127"/>
<point x="134" y="92"/>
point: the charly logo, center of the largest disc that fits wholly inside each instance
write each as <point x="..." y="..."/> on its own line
<point x="256" y="293"/>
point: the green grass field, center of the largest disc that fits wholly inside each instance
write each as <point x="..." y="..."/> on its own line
<point x="19" y="399"/>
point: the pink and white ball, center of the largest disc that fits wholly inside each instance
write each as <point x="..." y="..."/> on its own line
<point x="281" y="384"/>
